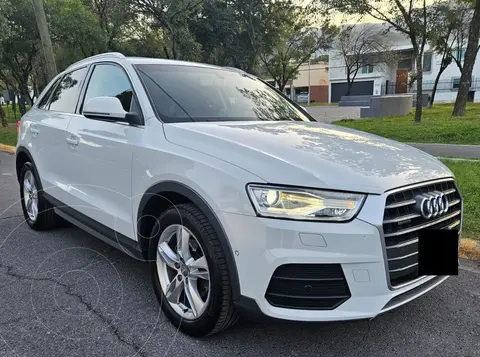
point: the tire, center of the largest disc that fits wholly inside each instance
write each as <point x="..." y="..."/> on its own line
<point x="219" y="313"/>
<point x="46" y="217"/>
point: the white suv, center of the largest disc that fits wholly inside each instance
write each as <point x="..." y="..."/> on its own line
<point x="240" y="201"/>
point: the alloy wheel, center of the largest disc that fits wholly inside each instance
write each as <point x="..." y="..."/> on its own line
<point x="183" y="271"/>
<point x="30" y="195"/>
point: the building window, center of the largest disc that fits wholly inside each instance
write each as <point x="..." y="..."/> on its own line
<point x="367" y="69"/>
<point x="405" y="64"/>
<point x="456" y="83"/>
<point x="460" y="53"/>
<point x="427" y="62"/>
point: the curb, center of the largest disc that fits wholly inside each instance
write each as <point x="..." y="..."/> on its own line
<point x="7" y="148"/>
<point x="469" y="249"/>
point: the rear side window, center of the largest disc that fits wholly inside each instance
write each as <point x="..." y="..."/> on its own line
<point x="44" y="102"/>
<point x="109" y="80"/>
<point x="65" y="96"/>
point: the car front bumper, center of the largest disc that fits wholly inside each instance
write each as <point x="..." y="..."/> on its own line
<point x="261" y="245"/>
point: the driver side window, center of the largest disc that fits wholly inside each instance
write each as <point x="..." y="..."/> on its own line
<point x="108" y="80"/>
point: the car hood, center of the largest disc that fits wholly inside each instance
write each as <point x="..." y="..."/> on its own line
<point x="310" y="154"/>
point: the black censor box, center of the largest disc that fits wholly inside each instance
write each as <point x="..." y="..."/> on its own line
<point x="438" y="252"/>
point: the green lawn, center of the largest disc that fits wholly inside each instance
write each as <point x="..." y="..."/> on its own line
<point x="10" y="115"/>
<point x="8" y="135"/>
<point x="437" y="126"/>
<point x="468" y="180"/>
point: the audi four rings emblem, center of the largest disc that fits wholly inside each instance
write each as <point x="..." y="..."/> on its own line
<point x="432" y="204"/>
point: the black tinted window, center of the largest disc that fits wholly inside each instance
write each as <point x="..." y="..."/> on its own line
<point x="110" y="81"/>
<point x="44" y="102"/>
<point x="65" y="96"/>
<point x="210" y="94"/>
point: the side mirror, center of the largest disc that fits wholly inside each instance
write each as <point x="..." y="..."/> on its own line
<point x="104" y="108"/>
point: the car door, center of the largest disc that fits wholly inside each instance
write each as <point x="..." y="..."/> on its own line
<point x="48" y="131"/>
<point x="100" y="183"/>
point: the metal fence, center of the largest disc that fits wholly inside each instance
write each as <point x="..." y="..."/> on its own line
<point x="449" y="85"/>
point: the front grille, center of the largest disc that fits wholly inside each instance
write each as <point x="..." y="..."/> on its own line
<point x="308" y="287"/>
<point x="401" y="223"/>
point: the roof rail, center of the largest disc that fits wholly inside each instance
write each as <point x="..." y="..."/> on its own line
<point x="235" y="69"/>
<point x="101" y="55"/>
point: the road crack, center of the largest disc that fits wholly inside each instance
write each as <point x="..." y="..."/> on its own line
<point x="68" y="289"/>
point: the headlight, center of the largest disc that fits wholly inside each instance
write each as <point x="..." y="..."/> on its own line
<point x="304" y="204"/>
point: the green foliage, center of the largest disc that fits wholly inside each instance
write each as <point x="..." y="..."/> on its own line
<point x="449" y="26"/>
<point x="466" y="176"/>
<point x="173" y="21"/>
<point x="75" y="31"/>
<point x="19" y="45"/>
<point x="322" y="58"/>
<point x="292" y="41"/>
<point x="234" y="33"/>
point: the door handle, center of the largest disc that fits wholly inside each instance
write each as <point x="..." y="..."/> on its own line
<point x="34" y="130"/>
<point x="72" y="140"/>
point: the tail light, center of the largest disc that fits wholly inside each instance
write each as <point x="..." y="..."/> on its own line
<point x="18" y="126"/>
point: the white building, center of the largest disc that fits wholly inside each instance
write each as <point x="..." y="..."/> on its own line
<point x="390" y="79"/>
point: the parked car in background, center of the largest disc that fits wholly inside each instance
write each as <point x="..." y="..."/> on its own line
<point x="239" y="201"/>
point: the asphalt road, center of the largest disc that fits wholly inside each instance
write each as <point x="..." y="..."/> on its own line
<point x="451" y="150"/>
<point x="65" y="293"/>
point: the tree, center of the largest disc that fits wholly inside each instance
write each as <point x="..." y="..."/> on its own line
<point x="76" y="31"/>
<point x="114" y="17"/>
<point x="173" y="18"/>
<point x="233" y="33"/>
<point x="408" y="17"/>
<point x="449" y="23"/>
<point x="361" y="46"/>
<point x="19" y="47"/>
<point x="292" y="43"/>
<point x="322" y="58"/>
<point x="469" y="61"/>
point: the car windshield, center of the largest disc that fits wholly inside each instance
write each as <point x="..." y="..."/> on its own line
<point x="192" y="93"/>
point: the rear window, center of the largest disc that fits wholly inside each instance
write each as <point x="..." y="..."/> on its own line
<point x="191" y="93"/>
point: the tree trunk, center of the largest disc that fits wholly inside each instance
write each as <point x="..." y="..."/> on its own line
<point x="3" y="117"/>
<point x="349" y="84"/>
<point x="434" y="90"/>
<point x="21" y="104"/>
<point x="418" y="107"/>
<point x="45" y="37"/>
<point x="14" y="105"/>
<point x="470" y="55"/>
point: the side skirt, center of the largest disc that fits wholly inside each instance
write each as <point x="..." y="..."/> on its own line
<point x="96" y="229"/>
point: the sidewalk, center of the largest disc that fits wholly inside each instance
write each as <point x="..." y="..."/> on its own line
<point x="450" y="150"/>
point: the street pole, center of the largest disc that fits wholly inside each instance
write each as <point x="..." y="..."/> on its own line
<point x="309" y="59"/>
<point x="45" y="37"/>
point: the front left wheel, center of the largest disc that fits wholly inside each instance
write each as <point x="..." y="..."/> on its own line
<point x="190" y="273"/>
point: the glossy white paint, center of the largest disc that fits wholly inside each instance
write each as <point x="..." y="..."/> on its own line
<point x="103" y="169"/>
<point x="311" y="154"/>
<point x="264" y="244"/>
<point x="100" y="174"/>
<point x="43" y="132"/>
<point x="108" y="107"/>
